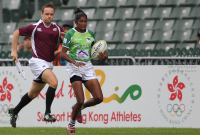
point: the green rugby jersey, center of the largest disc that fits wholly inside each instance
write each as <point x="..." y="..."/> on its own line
<point x="79" y="44"/>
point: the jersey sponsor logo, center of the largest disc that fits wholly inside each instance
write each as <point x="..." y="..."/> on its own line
<point x="65" y="40"/>
<point x="88" y="39"/>
<point x="82" y="54"/>
<point x="54" y="29"/>
<point x="39" y="29"/>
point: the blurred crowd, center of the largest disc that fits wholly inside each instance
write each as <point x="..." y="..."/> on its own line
<point x="25" y="45"/>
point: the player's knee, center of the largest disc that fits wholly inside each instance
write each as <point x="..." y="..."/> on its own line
<point x="98" y="99"/>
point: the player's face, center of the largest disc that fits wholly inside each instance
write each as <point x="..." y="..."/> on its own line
<point x="82" y="23"/>
<point x="48" y="15"/>
<point x="66" y="29"/>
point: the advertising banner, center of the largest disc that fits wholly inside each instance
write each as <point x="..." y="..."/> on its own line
<point x="134" y="96"/>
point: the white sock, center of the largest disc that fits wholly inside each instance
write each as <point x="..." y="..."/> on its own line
<point x="72" y="122"/>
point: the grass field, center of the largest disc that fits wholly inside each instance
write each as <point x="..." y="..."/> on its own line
<point x="100" y="131"/>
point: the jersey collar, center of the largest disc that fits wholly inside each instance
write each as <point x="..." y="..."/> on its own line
<point x="79" y="32"/>
<point x="44" y="23"/>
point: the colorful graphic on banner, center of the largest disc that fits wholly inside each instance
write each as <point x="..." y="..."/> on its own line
<point x="135" y="91"/>
<point x="130" y="91"/>
<point x="176" y="88"/>
<point x="4" y="108"/>
<point x="5" y="89"/>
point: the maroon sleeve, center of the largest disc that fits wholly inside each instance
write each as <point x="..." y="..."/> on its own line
<point x="27" y="30"/>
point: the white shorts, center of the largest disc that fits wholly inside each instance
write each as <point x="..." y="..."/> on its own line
<point x="38" y="66"/>
<point x="86" y="72"/>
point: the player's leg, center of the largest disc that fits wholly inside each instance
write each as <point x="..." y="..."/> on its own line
<point x="42" y="72"/>
<point x="26" y="99"/>
<point x="91" y="83"/>
<point x="94" y="88"/>
<point x="49" y="77"/>
<point x="78" y="90"/>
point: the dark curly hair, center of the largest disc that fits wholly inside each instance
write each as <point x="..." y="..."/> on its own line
<point x="78" y="14"/>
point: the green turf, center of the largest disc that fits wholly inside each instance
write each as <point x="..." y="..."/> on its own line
<point x="100" y="131"/>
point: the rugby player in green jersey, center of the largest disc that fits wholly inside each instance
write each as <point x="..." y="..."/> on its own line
<point x="78" y="41"/>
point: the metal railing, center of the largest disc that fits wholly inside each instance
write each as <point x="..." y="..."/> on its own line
<point x="9" y="62"/>
<point x="167" y="60"/>
<point x="114" y="60"/>
<point x="121" y="60"/>
<point x="129" y="60"/>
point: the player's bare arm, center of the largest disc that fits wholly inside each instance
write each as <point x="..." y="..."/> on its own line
<point x="14" y="54"/>
<point x="62" y="34"/>
<point x="57" y="52"/>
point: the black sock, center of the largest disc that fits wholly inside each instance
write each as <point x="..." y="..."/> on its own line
<point x="49" y="99"/>
<point x="24" y="101"/>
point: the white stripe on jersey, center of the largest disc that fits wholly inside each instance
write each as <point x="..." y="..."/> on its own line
<point x="65" y="46"/>
<point x="58" y="29"/>
<point x="32" y="37"/>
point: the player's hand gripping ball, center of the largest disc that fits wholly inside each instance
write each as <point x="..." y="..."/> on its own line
<point x="99" y="46"/>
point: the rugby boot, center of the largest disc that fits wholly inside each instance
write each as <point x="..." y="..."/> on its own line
<point x="49" y="118"/>
<point x="71" y="129"/>
<point x="13" y="117"/>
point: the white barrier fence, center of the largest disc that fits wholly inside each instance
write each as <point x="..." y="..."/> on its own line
<point x="134" y="96"/>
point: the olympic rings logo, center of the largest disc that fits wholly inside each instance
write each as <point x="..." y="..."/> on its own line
<point x="175" y="109"/>
<point x="4" y="109"/>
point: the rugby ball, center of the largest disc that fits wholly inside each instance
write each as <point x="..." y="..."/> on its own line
<point x="99" y="46"/>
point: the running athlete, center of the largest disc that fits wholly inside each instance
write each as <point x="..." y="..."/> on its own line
<point x="44" y="37"/>
<point x="79" y="41"/>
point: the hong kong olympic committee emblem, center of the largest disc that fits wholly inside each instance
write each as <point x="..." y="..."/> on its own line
<point x="176" y="95"/>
